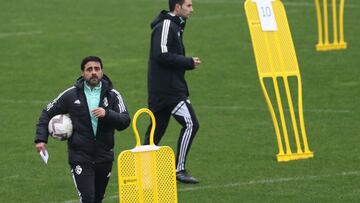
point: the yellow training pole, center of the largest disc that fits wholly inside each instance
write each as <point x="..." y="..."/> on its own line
<point x="319" y="20"/>
<point x="322" y="16"/>
<point x="326" y="21"/>
<point x="341" y="25"/>
<point x="335" y="29"/>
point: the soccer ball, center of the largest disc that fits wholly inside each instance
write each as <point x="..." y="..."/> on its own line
<point x="60" y="127"/>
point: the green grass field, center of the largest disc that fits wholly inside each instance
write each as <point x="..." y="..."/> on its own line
<point x="42" y="43"/>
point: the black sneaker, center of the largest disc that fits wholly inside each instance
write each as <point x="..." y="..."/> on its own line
<point x="184" y="177"/>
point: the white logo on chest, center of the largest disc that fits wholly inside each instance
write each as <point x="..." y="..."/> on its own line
<point x="105" y="102"/>
<point x="78" y="169"/>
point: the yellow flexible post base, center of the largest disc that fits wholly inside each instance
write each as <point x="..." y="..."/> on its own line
<point x="323" y="22"/>
<point x="329" y="47"/>
<point x="294" y="156"/>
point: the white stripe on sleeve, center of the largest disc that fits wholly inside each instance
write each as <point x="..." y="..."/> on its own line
<point x="164" y="36"/>
<point x="122" y="107"/>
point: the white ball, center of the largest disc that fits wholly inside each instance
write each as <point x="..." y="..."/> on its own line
<point x="60" y="127"/>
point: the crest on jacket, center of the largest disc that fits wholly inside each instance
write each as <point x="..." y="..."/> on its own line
<point x="105" y="102"/>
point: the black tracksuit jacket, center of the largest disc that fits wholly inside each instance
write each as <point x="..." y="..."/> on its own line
<point x="83" y="146"/>
<point x="167" y="62"/>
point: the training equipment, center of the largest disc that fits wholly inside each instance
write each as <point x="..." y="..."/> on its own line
<point x="60" y="127"/>
<point x="147" y="174"/>
<point x="323" y="26"/>
<point x="276" y="63"/>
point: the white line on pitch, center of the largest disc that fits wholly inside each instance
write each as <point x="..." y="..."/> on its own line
<point x="10" y="177"/>
<point x="263" y="109"/>
<point x="271" y="181"/>
<point x="212" y="17"/>
<point x="252" y="182"/>
<point x="13" y="34"/>
<point x="21" y="101"/>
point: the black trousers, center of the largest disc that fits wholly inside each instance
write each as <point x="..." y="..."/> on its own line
<point x="184" y="114"/>
<point x="91" y="181"/>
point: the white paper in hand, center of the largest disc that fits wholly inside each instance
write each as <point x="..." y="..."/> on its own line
<point x="44" y="155"/>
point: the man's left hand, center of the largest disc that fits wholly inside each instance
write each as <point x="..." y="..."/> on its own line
<point x="99" y="112"/>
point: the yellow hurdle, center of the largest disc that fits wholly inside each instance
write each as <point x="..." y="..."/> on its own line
<point x="276" y="59"/>
<point x="323" y="26"/>
<point x="147" y="174"/>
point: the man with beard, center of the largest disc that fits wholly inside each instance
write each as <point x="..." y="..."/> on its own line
<point x="96" y="110"/>
<point x="167" y="88"/>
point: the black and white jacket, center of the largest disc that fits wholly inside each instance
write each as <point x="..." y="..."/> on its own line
<point x="83" y="146"/>
<point x="167" y="62"/>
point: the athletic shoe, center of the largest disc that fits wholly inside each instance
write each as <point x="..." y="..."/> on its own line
<point x="184" y="177"/>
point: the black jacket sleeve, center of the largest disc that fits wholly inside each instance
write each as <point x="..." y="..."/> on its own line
<point x="117" y="116"/>
<point x="57" y="106"/>
<point x="163" y="42"/>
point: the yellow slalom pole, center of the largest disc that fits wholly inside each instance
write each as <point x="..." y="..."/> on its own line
<point x="301" y="120"/>
<point x="320" y="26"/>
<point x="274" y="120"/>
<point x="326" y="26"/>
<point x="335" y="29"/>
<point x="337" y="41"/>
<point x="282" y="117"/>
<point x="293" y="117"/>
<point x="341" y="22"/>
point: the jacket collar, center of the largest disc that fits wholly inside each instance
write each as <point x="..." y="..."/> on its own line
<point x="167" y="15"/>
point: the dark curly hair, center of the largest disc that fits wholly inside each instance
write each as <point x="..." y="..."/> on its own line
<point x="90" y="58"/>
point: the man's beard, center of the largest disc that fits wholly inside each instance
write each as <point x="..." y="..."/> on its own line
<point x="93" y="81"/>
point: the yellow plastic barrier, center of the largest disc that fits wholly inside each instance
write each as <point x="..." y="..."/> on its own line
<point x="276" y="60"/>
<point x="147" y="174"/>
<point x="323" y="26"/>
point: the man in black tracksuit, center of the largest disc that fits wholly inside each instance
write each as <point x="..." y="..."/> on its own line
<point x="96" y="110"/>
<point x="167" y="89"/>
